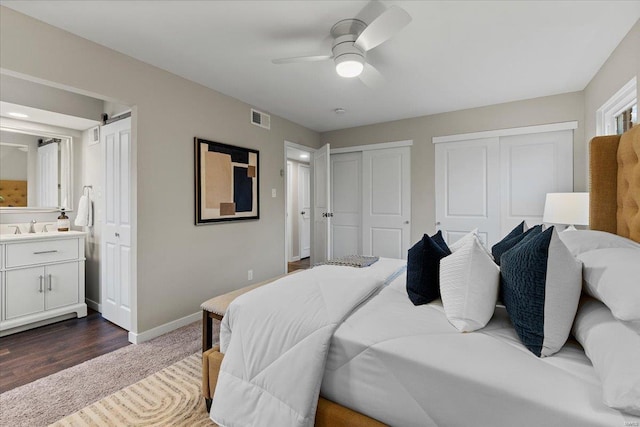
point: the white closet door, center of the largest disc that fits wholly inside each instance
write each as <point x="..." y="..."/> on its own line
<point x="346" y="201"/>
<point x="304" y="205"/>
<point x="322" y="206"/>
<point x="115" y="295"/>
<point x="531" y="166"/>
<point x="386" y="207"/>
<point x="468" y="189"/>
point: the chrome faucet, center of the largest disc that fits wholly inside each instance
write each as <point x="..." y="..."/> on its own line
<point x="44" y="229"/>
<point x="17" y="227"/>
<point x="32" y="226"/>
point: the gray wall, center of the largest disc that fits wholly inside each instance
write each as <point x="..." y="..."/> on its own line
<point x="621" y="66"/>
<point x="24" y="92"/>
<point x="421" y="130"/>
<point x="179" y="265"/>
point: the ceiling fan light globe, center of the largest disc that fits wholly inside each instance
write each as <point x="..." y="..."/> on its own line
<point x="349" y="65"/>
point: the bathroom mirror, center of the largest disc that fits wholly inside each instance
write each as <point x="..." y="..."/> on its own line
<point x="35" y="170"/>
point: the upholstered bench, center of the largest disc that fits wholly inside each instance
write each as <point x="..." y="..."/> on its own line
<point x="216" y="307"/>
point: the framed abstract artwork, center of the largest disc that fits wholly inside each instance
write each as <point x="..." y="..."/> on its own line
<point x="226" y="182"/>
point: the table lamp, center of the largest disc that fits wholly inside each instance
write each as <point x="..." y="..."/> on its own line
<point x="566" y="208"/>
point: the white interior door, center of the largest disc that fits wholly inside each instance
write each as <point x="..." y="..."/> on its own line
<point x="346" y="202"/>
<point x="115" y="292"/>
<point x="386" y="206"/>
<point x="321" y="206"/>
<point x="48" y="175"/>
<point x="468" y="189"/>
<point x="531" y="166"/>
<point x="304" y="206"/>
<point x="290" y="213"/>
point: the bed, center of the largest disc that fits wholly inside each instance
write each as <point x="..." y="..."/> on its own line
<point x="390" y="362"/>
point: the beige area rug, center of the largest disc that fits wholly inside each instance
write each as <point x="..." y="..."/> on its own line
<point x="170" y="397"/>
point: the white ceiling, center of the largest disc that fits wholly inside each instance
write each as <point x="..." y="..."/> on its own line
<point x="452" y="56"/>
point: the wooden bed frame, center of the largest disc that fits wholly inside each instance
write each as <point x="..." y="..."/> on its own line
<point x="613" y="207"/>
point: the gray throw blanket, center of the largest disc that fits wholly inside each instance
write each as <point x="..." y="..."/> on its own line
<point x="358" y="261"/>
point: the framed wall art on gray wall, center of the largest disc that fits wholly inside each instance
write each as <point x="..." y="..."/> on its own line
<point x="226" y="182"/>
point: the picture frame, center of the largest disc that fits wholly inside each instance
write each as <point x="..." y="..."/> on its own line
<point x="227" y="182"/>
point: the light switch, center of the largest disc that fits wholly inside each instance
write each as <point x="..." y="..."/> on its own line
<point x="273" y="192"/>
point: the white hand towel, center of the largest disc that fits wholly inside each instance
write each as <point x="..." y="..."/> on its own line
<point x="84" y="217"/>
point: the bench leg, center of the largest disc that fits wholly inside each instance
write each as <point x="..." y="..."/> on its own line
<point x="207" y="326"/>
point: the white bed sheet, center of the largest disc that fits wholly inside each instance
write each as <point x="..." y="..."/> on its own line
<point x="407" y="366"/>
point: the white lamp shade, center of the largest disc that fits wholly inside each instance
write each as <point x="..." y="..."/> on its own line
<point x="566" y="208"/>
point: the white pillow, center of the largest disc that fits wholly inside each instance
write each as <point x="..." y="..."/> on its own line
<point x="613" y="276"/>
<point x="463" y="240"/>
<point x="580" y="241"/>
<point x="613" y="350"/>
<point x="469" y="281"/>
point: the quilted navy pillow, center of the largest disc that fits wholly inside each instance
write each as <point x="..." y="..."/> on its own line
<point x="513" y="238"/>
<point x="423" y="268"/>
<point x="541" y="283"/>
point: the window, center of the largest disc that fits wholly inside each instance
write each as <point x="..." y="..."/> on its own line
<point x="626" y="119"/>
<point x="620" y="112"/>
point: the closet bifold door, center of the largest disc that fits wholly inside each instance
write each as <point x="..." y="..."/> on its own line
<point x="386" y="205"/>
<point x="531" y="166"/>
<point x="495" y="183"/>
<point x="468" y="188"/>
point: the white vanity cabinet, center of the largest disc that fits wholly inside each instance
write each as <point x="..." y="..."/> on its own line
<point x="42" y="279"/>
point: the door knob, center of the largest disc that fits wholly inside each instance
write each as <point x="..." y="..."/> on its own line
<point x="117" y="234"/>
<point x="406" y="222"/>
<point x="302" y="213"/>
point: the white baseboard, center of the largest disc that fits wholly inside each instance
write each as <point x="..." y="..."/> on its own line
<point x="93" y="305"/>
<point x="138" y="338"/>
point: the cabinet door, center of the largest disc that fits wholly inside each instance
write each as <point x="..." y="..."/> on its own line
<point x="61" y="285"/>
<point x="24" y="292"/>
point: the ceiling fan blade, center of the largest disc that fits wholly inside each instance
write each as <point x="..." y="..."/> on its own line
<point x="302" y="59"/>
<point x="383" y="28"/>
<point x="371" y="77"/>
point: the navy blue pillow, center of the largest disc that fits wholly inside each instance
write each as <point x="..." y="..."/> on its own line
<point x="510" y="240"/>
<point x="423" y="268"/>
<point x="541" y="283"/>
<point x="440" y="242"/>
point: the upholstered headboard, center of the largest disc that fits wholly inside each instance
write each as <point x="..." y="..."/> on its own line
<point x="14" y="193"/>
<point x="615" y="184"/>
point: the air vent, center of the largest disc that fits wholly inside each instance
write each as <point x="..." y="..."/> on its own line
<point x="261" y="119"/>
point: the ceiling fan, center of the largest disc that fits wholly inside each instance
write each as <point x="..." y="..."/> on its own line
<point x="352" y="39"/>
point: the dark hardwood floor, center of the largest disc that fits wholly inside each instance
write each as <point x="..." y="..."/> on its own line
<point x="303" y="264"/>
<point x="29" y="355"/>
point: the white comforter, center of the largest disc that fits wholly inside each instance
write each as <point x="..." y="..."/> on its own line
<point x="275" y="340"/>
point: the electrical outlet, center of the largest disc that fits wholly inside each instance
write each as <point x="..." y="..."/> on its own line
<point x="273" y="192"/>
<point x="250" y="275"/>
